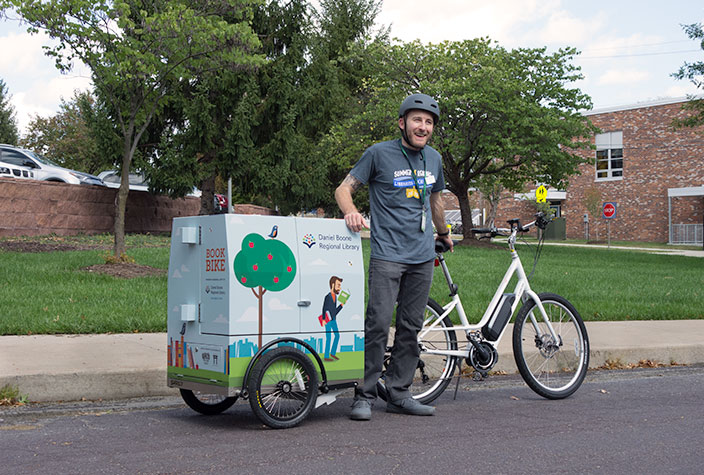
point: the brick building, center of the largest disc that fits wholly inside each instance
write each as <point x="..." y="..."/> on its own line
<point x="652" y="172"/>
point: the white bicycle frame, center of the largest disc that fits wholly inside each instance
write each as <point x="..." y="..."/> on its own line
<point x="522" y="292"/>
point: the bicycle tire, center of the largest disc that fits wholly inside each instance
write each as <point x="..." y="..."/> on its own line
<point x="283" y="387"/>
<point x="434" y="372"/>
<point x="206" y="403"/>
<point x="554" y="370"/>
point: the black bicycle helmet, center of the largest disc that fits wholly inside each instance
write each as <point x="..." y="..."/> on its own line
<point x="420" y="101"/>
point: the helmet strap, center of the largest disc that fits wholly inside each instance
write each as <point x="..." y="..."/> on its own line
<point x="404" y="135"/>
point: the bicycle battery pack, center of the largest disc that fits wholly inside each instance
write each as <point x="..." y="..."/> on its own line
<point x="501" y="316"/>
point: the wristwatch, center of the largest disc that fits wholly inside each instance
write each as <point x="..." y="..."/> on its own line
<point x="447" y="233"/>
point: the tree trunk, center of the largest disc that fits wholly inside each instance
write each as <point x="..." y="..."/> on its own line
<point x="466" y="214"/>
<point x="261" y="315"/>
<point x="207" y="188"/>
<point x="121" y="203"/>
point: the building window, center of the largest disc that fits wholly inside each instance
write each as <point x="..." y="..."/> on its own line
<point x="609" y="156"/>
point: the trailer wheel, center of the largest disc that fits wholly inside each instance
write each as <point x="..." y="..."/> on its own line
<point x="283" y="387"/>
<point x="208" y="404"/>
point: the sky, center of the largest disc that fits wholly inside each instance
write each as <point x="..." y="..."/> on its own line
<point x="629" y="49"/>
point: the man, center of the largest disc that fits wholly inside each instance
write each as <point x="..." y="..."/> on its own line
<point x="330" y="311"/>
<point x="405" y="181"/>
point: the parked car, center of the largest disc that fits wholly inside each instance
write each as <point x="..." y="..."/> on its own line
<point x="42" y="168"/>
<point x="112" y="178"/>
<point x="138" y="182"/>
<point x="8" y="170"/>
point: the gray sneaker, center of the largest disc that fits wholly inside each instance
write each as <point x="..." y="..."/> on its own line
<point x="409" y="406"/>
<point x="361" y="410"/>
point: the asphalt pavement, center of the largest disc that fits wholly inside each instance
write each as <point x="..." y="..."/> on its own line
<point x="75" y="367"/>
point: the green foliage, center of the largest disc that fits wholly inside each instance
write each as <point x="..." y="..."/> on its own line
<point x="10" y="396"/>
<point x="260" y="127"/>
<point x="694" y="72"/>
<point x="72" y="137"/>
<point x="266" y="263"/>
<point x="139" y="52"/>
<point x="8" y="122"/>
<point x="593" y="202"/>
<point x="506" y="113"/>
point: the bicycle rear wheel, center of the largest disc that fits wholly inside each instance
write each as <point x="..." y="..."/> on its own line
<point x="434" y="372"/>
<point x="553" y="368"/>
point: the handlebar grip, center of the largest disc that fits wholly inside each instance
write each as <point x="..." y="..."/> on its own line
<point x="481" y="230"/>
<point x="441" y="246"/>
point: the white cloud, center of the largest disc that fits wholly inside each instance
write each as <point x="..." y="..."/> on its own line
<point x="565" y="29"/>
<point x="21" y="53"/>
<point x="623" y="76"/>
<point x="251" y="314"/>
<point x="276" y="304"/>
<point x="461" y="19"/>
<point x="682" y="90"/>
<point x="33" y="81"/>
<point x="221" y="319"/>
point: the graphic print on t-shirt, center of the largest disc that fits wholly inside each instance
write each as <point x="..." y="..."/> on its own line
<point x="404" y="179"/>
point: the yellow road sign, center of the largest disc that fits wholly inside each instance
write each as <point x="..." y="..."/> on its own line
<point x="541" y="194"/>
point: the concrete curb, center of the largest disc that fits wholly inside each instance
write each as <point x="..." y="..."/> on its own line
<point x="70" y="367"/>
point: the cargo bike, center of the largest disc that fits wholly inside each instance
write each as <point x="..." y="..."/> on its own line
<point x="264" y="308"/>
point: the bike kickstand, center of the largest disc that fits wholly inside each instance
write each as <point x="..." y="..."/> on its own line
<point x="457" y="384"/>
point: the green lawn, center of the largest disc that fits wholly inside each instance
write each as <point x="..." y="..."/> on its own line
<point x="49" y="293"/>
<point x="602" y="284"/>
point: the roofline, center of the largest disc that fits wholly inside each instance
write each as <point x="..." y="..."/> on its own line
<point x="639" y="105"/>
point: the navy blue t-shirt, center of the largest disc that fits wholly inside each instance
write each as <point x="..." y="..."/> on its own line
<point x="395" y="203"/>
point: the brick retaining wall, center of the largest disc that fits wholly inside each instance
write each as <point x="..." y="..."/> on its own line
<point x="33" y="208"/>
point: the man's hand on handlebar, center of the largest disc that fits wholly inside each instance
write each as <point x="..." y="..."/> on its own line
<point x="447" y="240"/>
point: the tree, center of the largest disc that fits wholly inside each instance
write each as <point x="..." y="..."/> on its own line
<point x="264" y="264"/>
<point x="8" y="122"/>
<point x="137" y="52"/>
<point x="695" y="73"/>
<point x="261" y="129"/>
<point x="504" y="113"/>
<point x="72" y="137"/>
<point x="491" y="188"/>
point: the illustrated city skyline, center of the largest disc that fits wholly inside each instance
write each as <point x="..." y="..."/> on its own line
<point x="246" y="349"/>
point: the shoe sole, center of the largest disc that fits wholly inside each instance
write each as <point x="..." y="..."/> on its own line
<point x="361" y="417"/>
<point x="400" y="410"/>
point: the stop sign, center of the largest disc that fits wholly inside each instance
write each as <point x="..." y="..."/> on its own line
<point x="609" y="210"/>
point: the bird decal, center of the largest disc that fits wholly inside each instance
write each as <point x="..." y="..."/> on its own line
<point x="274" y="232"/>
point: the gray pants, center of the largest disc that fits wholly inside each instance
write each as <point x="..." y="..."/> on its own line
<point x="389" y="282"/>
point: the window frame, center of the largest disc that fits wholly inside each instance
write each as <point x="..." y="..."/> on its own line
<point x="608" y="145"/>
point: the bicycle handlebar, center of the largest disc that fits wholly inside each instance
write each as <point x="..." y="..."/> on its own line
<point x="442" y="246"/>
<point x="515" y="223"/>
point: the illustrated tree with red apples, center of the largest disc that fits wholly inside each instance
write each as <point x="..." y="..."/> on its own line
<point x="263" y="265"/>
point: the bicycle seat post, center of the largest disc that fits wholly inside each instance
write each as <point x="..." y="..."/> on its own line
<point x="446" y="272"/>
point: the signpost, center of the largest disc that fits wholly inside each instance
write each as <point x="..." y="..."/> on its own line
<point x="608" y="212"/>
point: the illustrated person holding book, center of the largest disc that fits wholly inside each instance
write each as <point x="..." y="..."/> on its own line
<point x="329" y="315"/>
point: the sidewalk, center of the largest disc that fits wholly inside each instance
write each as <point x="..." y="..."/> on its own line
<point x="72" y="367"/>
<point x="652" y="250"/>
